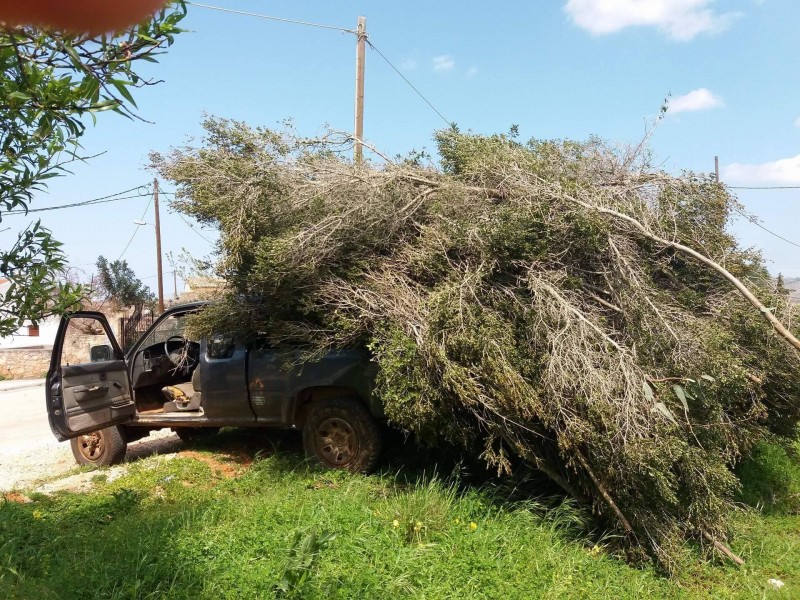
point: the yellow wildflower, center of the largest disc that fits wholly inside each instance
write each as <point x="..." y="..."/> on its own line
<point x="417" y="526"/>
<point x="395" y="523"/>
<point x="37" y="514"/>
<point x="456" y="520"/>
<point x="473" y="525"/>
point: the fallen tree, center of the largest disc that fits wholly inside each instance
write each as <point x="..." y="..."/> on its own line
<point x="562" y="302"/>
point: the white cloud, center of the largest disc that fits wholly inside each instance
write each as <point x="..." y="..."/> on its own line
<point x="797" y="122"/>
<point x="444" y="62"/>
<point x="408" y="64"/>
<point x="472" y="72"/>
<point x="679" y="19"/>
<point x="785" y="171"/>
<point x="700" y="99"/>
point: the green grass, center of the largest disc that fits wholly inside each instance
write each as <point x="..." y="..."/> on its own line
<point x="283" y="528"/>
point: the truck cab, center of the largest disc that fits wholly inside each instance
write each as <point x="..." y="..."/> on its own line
<point x="100" y="398"/>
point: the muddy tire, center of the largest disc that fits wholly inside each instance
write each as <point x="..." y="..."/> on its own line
<point x="342" y="434"/>
<point x="100" y="448"/>
<point x="194" y="434"/>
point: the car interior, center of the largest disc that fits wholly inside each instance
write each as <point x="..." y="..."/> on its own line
<point x="165" y="375"/>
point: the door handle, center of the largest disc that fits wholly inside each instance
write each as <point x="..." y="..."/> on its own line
<point x="83" y="392"/>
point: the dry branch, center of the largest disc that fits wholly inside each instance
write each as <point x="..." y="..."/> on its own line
<point x="547" y="298"/>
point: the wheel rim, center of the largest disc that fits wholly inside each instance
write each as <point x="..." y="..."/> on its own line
<point x="336" y="442"/>
<point x="91" y="446"/>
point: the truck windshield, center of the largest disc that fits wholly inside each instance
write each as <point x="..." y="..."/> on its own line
<point x="174" y="325"/>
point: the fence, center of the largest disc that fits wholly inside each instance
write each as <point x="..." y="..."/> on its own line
<point x="131" y="328"/>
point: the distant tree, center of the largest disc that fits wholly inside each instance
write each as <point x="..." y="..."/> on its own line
<point x="117" y="282"/>
<point x="49" y="82"/>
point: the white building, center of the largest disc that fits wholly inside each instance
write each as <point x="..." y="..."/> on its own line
<point x="29" y="336"/>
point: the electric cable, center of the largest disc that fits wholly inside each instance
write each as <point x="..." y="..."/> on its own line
<point x="125" y="249"/>
<point x="102" y="200"/>
<point x="193" y="229"/>
<point x="764" y="187"/>
<point x="753" y="220"/>
<point x="270" y="18"/>
<point x="342" y="29"/>
<point x="396" y="70"/>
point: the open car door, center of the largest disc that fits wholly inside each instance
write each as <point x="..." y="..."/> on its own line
<point x="87" y="384"/>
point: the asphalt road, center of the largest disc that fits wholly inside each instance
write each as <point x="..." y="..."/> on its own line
<point x="23" y="419"/>
<point x="28" y="450"/>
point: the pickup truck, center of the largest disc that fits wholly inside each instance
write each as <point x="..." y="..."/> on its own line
<point x="100" y="398"/>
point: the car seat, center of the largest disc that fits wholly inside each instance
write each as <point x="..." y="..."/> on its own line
<point x="183" y="396"/>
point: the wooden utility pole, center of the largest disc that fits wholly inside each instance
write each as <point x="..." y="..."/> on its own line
<point x="716" y="168"/>
<point x="361" y="39"/>
<point x="158" y="249"/>
<point x="175" y="284"/>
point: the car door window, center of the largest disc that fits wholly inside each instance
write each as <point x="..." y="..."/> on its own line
<point x="86" y="341"/>
<point x="220" y="346"/>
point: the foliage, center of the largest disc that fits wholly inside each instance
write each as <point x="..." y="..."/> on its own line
<point x="50" y="83"/>
<point x="33" y="266"/>
<point x="304" y="553"/>
<point x="770" y="478"/>
<point x="178" y="529"/>
<point x="117" y="282"/>
<point x="518" y="303"/>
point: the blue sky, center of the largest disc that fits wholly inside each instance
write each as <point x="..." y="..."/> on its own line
<point x="557" y="69"/>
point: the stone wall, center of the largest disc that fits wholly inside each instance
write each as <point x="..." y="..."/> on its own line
<point x="24" y="363"/>
<point x="76" y="347"/>
<point x="32" y="363"/>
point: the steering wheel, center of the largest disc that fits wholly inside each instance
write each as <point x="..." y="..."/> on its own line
<point x="183" y="355"/>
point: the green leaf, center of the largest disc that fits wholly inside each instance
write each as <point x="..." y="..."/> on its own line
<point x="679" y="392"/>
<point x="708" y="378"/>
<point x="72" y="54"/>
<point x="20" y="96"/>
<point x="103" y="105"/>
<point x="648" y="391"/>
<point x="662" y="408"/>
<point x="123" y="90"/>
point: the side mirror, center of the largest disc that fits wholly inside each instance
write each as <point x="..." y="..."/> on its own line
<point x="102" y="353"/>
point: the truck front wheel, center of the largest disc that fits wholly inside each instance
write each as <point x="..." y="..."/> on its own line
<point x="342" y="434"/>
<point x="100" y="448"/>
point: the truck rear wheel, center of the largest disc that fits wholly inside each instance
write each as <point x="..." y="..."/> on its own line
<point x="100" y="448"/>
<point x="341" y="434"/>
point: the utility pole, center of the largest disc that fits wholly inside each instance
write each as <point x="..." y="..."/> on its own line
<point x="175" y="284"/>
<point x="716" y="168"/>
<point x="158" y="249"/>
<point x="361" y="39"/>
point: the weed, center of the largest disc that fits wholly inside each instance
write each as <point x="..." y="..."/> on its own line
<point x="304" y="553"/>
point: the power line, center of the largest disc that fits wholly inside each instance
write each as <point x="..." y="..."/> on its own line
<point x="279" y="19"/>
<point x="135" y="231"/>
<point x="193" y="229"/>
<point x="342" y="29"/>
<point x="396" y="70"/>
<point x="753" y="220"/>
<point x="764" y="187"/>
<point x="101" y="200"/>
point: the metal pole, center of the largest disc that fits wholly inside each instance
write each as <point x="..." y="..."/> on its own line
<point x="158" y="249"/>
<point x="361" y="38"/>
<point x="716" y="168"/>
